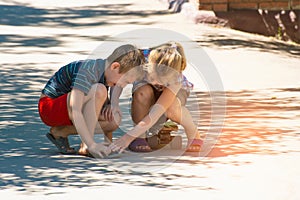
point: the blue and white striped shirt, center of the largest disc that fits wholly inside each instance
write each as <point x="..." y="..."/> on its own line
<point x="79" y="74"/>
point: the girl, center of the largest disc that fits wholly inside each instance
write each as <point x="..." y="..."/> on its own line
<point x="161" y="95"/>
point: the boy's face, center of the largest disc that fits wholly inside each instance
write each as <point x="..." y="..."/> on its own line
<point x="113" y="77"/>
<point x="125" y="80"/>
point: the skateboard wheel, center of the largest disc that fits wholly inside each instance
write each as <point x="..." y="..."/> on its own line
<point x="176" y="142"/>
<point x="153" y="141"/>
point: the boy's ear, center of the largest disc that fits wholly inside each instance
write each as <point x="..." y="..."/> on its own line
<point x="115" y="65"/>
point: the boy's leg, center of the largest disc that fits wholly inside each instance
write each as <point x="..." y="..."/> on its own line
<point x="59" y="136"/>
<point x="54" y="113"/>
<point x="106" y="128"/>
<point x="63" y="131"/>
<point x="103" y="127"/>
<point x="92" y="107"/>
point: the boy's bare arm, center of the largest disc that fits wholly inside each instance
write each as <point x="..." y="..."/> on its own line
<point x="76" y="104"/>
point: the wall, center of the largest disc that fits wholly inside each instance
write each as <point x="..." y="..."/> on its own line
<point x="276" y="18"/>
<point x="228" y="5"/>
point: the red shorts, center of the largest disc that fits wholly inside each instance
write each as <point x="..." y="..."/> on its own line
<point x="54" y="112"/>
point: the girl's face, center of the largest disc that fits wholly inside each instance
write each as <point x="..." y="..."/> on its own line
<point x="166" y="77"/>
<point x="152" y="76"/>
<point x="153" y="79"/>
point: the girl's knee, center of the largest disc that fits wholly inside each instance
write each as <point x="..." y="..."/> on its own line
<point x="174" y="112"/>
<point x="143" y="94"/>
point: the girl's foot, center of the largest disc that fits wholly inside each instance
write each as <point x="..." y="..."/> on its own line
<point x="194" y="145"/>
<point x="139" y="145"/>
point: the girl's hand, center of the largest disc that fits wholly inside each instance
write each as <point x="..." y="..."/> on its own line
<point x="121" y="144"/>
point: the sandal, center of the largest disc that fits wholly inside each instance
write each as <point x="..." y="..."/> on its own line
<point x="139" y="145"/>
<point x="62" y="144"/>
<point x="194" y="145"/>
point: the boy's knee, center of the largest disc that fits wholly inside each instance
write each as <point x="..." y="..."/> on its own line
<point x="100" y="91"/>
<point x="143" y="94"/>
<point x="113" y="126"/>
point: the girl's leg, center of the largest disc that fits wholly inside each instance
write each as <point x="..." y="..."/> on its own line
<point x="181" y="115"/>
<point x="143" y="99"/>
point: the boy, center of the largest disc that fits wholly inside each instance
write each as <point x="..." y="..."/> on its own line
<point x="75" y="95"/>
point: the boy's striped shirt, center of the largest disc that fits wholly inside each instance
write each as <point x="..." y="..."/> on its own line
<point x="79" y="74"/>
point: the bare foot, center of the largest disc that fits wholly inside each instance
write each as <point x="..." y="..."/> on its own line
<point x="83" y="150"/>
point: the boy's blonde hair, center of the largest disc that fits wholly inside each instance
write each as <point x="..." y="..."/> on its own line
<point x="169" y="54"/>
<point x="128" y="56"/>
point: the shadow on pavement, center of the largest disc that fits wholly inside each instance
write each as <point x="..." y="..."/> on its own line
<point x="225" y="42"/>
<point x="23" y="15"/>
<point x="30" y="163"/>
<point x="89" y="16"/>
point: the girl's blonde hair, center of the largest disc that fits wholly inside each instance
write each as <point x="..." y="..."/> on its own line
<point x="170" y="54"/>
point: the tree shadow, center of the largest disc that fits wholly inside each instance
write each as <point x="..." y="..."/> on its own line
<point x="89" y="16"/>
<point x="24" y="15"/>
<point x="25" y="41"/>
<point x="223" y="41"/>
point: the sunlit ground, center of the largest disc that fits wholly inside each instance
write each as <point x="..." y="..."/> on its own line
<point x="252" y="140"/>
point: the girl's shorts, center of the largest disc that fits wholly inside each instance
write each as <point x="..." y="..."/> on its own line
<point x="54" y="112"/>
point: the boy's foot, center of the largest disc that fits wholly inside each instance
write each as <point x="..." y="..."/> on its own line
<point x="139" y="145"/>
<point x="194" y="145"/>
<point x="62" y="143"/>
<point x="83" y="151"/>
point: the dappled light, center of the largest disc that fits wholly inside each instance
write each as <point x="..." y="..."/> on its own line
<point x="249" y="128"/>
<point x="255" y="123"/>
<point x="23" y="15"/>
<point x="259" y="122"/>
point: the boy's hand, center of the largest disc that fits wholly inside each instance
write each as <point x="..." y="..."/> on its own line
<point x="99" y="150"/>
<point x="109" y="113"/>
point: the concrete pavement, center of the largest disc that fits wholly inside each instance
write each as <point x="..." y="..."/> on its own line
<point x="257" y="152"/>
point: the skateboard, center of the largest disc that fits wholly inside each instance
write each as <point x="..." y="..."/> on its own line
<point x="165" y="137"/>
